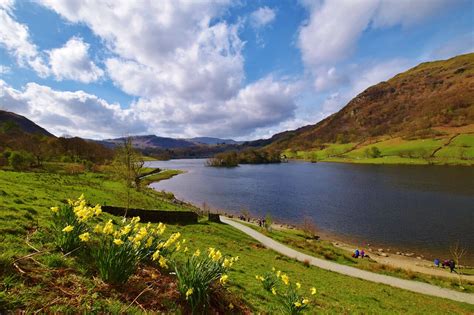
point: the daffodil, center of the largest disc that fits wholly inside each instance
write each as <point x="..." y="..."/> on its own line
<point x="163" y="262"/>
<point x="278" y="273"/>
<point x="227" y="263"/>
<point x="189" y="293"/>
<point x="135" y="220"/>
<point x="313" y="291"/>
<point x="223" y="279"/>
<point x="149" y="242"/>
<point x="305" y="301"/>
<point x="185" y="249"/>
<point x="285" y="279"/>
<point x="108" y="228"/>
<point x="55" y="209"/>
<point x="156" y="255"/>
<point x="231" y="306"/>
<point x="197" y="253"/>
<point x="298" y="285"/>
<point x="118" y="241"/>
<point x="126" y="229"/>
<point x="84" y="237"/>
<point x="297" y="304"/>
<point x="98" y="228"/>
<point x="274" y="291"/>
<point x="68" y="228"/>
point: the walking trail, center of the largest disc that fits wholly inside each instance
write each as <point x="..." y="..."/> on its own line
<point x="414" y="286"/>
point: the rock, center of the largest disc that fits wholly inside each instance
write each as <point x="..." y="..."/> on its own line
<point x="398" y="253"/>
<point x="383" y="254"/>
<point x="418" y="257"/>
<point x="380" y="250"/>
<point x="409" y="254"/>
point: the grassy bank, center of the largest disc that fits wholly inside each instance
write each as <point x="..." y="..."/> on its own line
<point x="52" y="282"/>
<point x="457" y="149"/>
<point x="324" y="249"/>
<point x="166" y="174"/>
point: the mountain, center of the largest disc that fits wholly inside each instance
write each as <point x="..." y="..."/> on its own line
<point x="410" y="105"/>
<point x="152" y="141"/>
<point x="212" y="141"/>
<point x="11" y="121"/>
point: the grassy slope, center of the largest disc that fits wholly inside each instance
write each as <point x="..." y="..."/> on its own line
<point x="26" y="197"/>
<point x="459" y="151"/>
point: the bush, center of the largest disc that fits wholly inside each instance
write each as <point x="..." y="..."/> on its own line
<point x="198" y="274"/>
<point x="372" y="152"/>
<point x="20" y="160"/>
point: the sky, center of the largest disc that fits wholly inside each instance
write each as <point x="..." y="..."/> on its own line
<point x="230" y="69"/>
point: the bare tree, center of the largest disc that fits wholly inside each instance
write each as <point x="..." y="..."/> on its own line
<point x="128" y="165"/>
<point x="458" y="252"/>
<point x="309" y="228"/>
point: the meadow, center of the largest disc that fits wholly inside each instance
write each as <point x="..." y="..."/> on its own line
<point x="35" y="276"/>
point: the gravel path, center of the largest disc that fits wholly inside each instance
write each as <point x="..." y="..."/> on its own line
<point x="409" y="285"/>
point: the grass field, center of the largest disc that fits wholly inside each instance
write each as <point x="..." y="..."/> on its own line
<point x="460" y="151"/>
<point x="56" y="283"/>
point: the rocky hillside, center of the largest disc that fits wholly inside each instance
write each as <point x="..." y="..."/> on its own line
<point x="411" y="105"/>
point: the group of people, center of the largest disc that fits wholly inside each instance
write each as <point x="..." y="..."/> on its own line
<point x="261" y="222"/>
<point x="358" y="253"/>
<point x="446" y="263"/>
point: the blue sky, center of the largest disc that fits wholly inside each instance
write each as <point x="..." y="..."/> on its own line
<point x="244" y="69"/>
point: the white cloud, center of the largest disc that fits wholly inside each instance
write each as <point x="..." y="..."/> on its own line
<point x="258" y="105"/>
<point x="262" y="17"/>
<point x="4" y="69"/>
<point x="183" y="63"/>
<point x="333" y="29"/>
<point x="15" y="38"/>
<point x="72" y="62"/>
<point x="76" y="113"/>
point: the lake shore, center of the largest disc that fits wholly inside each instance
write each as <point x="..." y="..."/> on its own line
<point x="413" y="250"/>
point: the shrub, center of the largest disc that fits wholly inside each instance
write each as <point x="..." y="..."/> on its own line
<point x="69" y="222"/>
<point x="20" y="160"/>
<point x="288" y="294"/>
<point x="121" y="248"/>
<point x="372" y="152"/>
<point x="198" y="273"/>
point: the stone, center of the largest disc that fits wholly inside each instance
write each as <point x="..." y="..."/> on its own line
<point x="380" y="250"/>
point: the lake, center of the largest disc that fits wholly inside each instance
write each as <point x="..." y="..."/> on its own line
<point x="421" y="208"/>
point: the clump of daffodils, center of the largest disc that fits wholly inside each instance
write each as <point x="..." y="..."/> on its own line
<point x="289" y="294"/>
<point x="199" y="273"/>
<point x="70" y="223"/>
<point x="121" y="247"/>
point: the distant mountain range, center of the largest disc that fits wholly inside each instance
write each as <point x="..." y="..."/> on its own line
<point x="155" y="142"/>
<point x="411" y="104"/>
<point x="12" y="120"/>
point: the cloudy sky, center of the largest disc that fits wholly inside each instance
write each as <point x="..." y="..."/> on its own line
<point x="240" y="69"/>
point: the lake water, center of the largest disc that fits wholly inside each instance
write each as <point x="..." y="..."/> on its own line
<point x="420" y="208"/>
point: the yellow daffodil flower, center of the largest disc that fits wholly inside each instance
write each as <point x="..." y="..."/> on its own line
<point x="313" y="291"/>
<point x="55" y="209"/>
<point x="223" y="279"/>
<point x="68" y="228"/>
<point x="305" y="301"/>
<point x="274" y="291"/>
<point x="298" y="285"/>
<point x="84" y="237"/>
<point x="297" y="304"/>
<point x="118" y="241"/>
<point x="285" y="279"/>
<point x="108" y="228"/>
<point x="189" y="293"/>
<point x="197" y="253"/>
